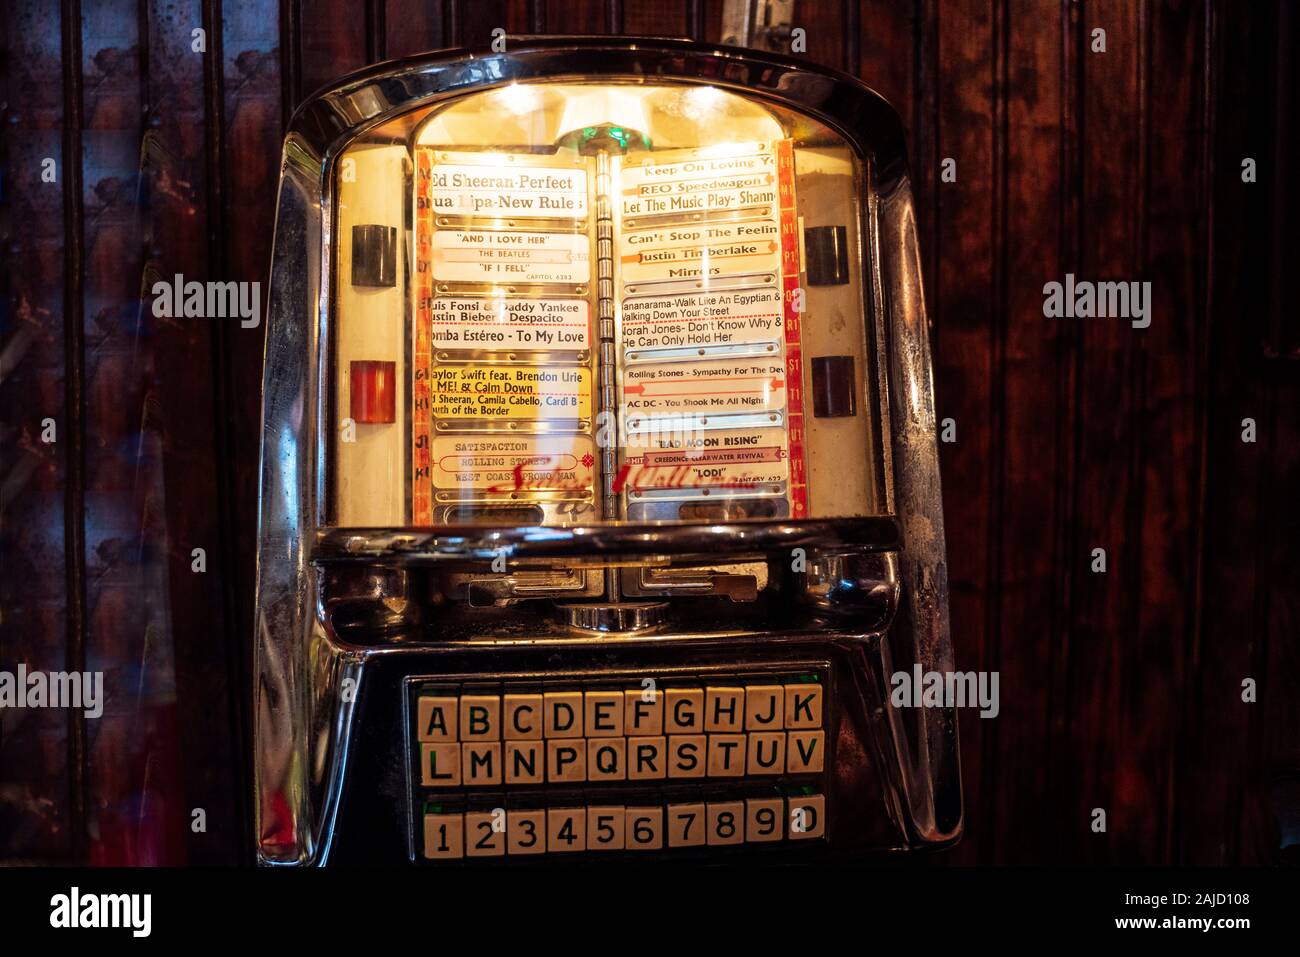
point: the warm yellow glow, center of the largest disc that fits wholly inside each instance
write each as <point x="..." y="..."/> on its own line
<point x="669" y="116"/>
<point x="519" y="99"/>
<point x="700" y="101"/>
<point x="723" y="150"/>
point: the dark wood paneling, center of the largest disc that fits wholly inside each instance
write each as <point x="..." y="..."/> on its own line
<point x="136" y="811"/>
<point x="967" y="319"/>
<point x="576" y="16"/>
<point x="825" y="26"/>
<point x="35" y="618"/>
<point x="1035" y="443"/>
<point x="1171" y="373"/>
<point x="413" y="26"/>
<point x="1105" y="429"/>
<point x="1120" y="691"/>
<point x="175" y="189"/>
<point x="74" y="408"/>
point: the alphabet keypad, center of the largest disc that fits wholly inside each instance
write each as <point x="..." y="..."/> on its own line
<point x="514" y="768"/>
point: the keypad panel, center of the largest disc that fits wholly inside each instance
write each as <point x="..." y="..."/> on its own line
<point x="517" y="767"/>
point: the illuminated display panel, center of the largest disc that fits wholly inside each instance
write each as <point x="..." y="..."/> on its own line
<point x="576" y="303"/>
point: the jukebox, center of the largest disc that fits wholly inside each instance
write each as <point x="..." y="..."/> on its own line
<point x="600" y="492"/>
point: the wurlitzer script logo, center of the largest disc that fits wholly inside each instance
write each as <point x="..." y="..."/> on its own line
<point x="633" y="478"/>
<point x="672" y="456"/>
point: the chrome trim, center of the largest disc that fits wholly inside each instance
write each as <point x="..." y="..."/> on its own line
<point x="623" y="618"/>
<point x="576" y="544"/>
<point x="928" y="737"/>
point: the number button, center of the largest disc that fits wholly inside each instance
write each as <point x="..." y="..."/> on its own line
<point x="764" y="819"/>
<point x="605" y="828"/>
<point x="685" y="825"/>
<point x="807" y="817"/>
<point x="566" y="829"/>
<point x="485" y="834"/>
<point x="644" y="828"/>
<point x="444" y="837"/>
<point x="726" y="823"/>
<point x="526" y="832"/>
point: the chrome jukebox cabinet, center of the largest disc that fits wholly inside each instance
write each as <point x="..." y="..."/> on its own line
<point x="600" y="496"/>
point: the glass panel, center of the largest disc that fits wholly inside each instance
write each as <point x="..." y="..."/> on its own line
<point x="573" y="303"/>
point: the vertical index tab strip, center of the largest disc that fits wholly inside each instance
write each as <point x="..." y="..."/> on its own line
<point x="793" y="333"/>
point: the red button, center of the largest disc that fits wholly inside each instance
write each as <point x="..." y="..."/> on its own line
<point x="374" y="392"/>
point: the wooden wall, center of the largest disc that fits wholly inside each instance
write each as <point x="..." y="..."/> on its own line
<point x="1120" y="691"/>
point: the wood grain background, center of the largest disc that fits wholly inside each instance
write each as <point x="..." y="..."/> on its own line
<point x="1121" y="691"/>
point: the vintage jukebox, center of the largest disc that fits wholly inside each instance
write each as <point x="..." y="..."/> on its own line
<point x="600" y="494"/>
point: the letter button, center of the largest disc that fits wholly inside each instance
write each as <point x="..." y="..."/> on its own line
<point x="687" y="754"/>
<point x="766" y="752"/>
<point x="726" y="755"/>
<point x="806" y="751"/>
<point x="480" y="717"/>
<point x="480" y="763"/>
<point x="606" y="759"/>
<point x="764" y="708"/>
<point x="803" y="706"/>
<point x="563" y="714"/>
<point x="436" y="719"/>
<point x="643" y="712"/>
<point x="522" y="719"/>
<point x="440" y="765"/>
<point x="524" y="762"/>
<point x="646" y="758"/>
<point x="724" y="709"/>
<point x="566" y="761"/>
<point x="604" y="714"/>
<point x="683" y="709"/>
